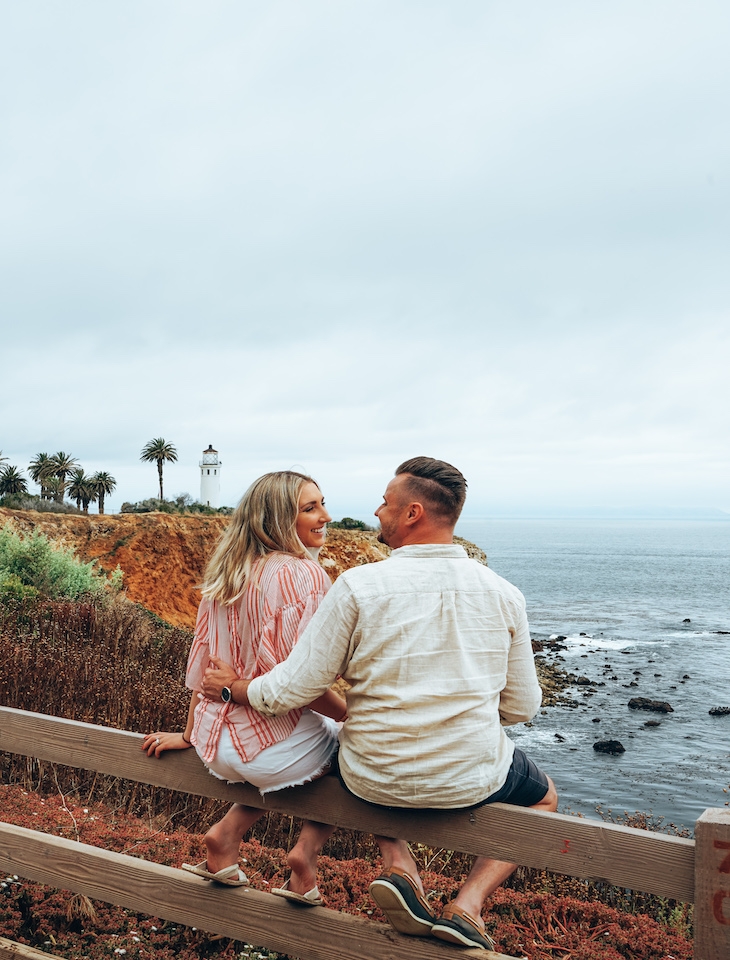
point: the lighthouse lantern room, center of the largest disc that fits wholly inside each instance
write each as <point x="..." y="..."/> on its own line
<point x="210" y="478"/>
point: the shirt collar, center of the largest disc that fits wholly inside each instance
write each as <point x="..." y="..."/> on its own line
<point x="453" y="551"/>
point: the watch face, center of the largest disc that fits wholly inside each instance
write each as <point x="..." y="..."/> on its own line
<point x="225" y="694"/>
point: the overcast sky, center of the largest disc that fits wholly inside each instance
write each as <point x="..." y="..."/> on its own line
<point x="334" y="235"/>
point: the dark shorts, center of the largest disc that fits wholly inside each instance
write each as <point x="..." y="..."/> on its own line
<point x="525" y="785"/>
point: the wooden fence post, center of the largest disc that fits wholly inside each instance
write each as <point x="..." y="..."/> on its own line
<point x="712" y="885"/>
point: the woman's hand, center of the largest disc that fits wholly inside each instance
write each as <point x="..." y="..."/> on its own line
<point x="155" y="744"/>
<point x="216" y="677"/>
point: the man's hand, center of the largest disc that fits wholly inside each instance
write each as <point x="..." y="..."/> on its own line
<point x="216" y="677"/>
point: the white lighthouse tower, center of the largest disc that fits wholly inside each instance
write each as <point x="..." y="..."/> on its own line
<point x="210" y="478"/>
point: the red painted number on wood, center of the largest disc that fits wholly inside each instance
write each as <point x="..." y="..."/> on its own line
<point x="566" y="845"/>
<point x="717" y="902"/>
<point x="725" y="865"/>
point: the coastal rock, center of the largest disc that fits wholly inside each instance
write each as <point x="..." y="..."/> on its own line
<point x="720" y="712"/>
<point x="653" y="723"/>
<point x="472" y="550"/>
<point x="643" y="703"/>
<point x="554" y="683"/>
<point x="537" y="647"/>
<point x="612" y="747"/>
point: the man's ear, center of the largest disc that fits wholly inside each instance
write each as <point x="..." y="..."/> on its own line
<point x="414" y="513"/>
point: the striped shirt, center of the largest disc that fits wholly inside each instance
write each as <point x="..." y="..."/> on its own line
<point x="252" y="635"/>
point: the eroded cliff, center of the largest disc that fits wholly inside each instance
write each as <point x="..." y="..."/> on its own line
<point x="163" y="555"/>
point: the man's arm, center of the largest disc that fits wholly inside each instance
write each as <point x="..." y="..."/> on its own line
<point x="319" y="657"/>
<point x="223" y="675"/>
<point x="521" y="697"/>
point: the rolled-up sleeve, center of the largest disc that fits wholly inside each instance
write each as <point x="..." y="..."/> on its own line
<point x="521" y="697"/>
<point x="320" y="656"/>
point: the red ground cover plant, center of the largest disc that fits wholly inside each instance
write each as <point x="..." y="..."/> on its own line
<point x="538" y="925"/>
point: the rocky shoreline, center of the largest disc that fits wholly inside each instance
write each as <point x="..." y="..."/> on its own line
<point x="555" y="683"/>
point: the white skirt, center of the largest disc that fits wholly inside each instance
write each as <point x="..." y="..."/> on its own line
<point x="302" y="757"/>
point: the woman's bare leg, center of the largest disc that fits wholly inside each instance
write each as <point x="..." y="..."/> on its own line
<point x="223" y="840"/>
<point x="302" y="857"/>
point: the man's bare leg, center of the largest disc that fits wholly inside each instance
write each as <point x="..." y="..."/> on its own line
<point x="223" y="840"/>
<point x="395" y="853"/>
<point x="487" y="874"/>
<point x="302" y="857"/>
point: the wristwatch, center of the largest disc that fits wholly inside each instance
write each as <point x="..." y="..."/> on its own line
<point x="226" y="695"/>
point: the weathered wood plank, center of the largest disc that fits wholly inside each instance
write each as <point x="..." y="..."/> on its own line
<point x="21" y="951"/>
<point x="712" y="903"/>
<point x="619" y="855"/>
<point x="238" y="912"/>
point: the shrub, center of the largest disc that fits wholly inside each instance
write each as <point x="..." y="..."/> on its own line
<point x="347" y="523"/>
<point x="12" y="588"/>
<point x="182" y="504"/>
<point x="545" y="925"/>
<point x="51" y="571"/>
<point x="31" y="501"/>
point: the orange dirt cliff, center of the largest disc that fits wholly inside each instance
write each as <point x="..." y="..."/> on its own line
<point x="163" y="555"/>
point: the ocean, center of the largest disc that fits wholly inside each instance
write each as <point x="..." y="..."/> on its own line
<point x="644" y="606"/>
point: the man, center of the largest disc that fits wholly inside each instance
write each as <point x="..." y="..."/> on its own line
<point x="436" y="649"/>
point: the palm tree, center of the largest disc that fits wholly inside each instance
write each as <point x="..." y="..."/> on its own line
<point x="158" y="451"/>
<point x="53" y="485"/>
<point x="88" y="493"/>
<point x="104" y="483"/>
<point x="82" y="489"/>
<point x="77" y="479"/>
<point x="63" y="463"/>
<point x="12" y="481"/>
<point x="41" y="470"/>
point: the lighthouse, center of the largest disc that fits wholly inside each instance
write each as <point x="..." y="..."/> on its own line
<point x="210" y="478"/>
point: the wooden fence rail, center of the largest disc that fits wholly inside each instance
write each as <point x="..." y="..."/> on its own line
<point x="689" y="870"/>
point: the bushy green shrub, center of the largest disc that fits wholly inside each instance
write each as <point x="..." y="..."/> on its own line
<point x="347" y="523"/>
<point x="13" y="588"/>
<point x="34" y="564"/>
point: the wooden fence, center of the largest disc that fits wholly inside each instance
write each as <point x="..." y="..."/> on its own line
<point x="688" y="870"/>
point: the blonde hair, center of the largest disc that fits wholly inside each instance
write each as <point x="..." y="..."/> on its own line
<point x="264" y="521"/>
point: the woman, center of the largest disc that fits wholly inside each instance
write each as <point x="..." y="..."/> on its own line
<point x="260" y="590"/>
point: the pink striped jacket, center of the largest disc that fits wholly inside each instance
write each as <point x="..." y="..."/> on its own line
<point x="252" y="635"/>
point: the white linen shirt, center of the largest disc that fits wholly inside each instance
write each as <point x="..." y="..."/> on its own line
<point x="436" y="649"/>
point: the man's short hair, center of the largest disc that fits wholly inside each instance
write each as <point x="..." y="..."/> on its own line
<point x="440" y="485"/>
